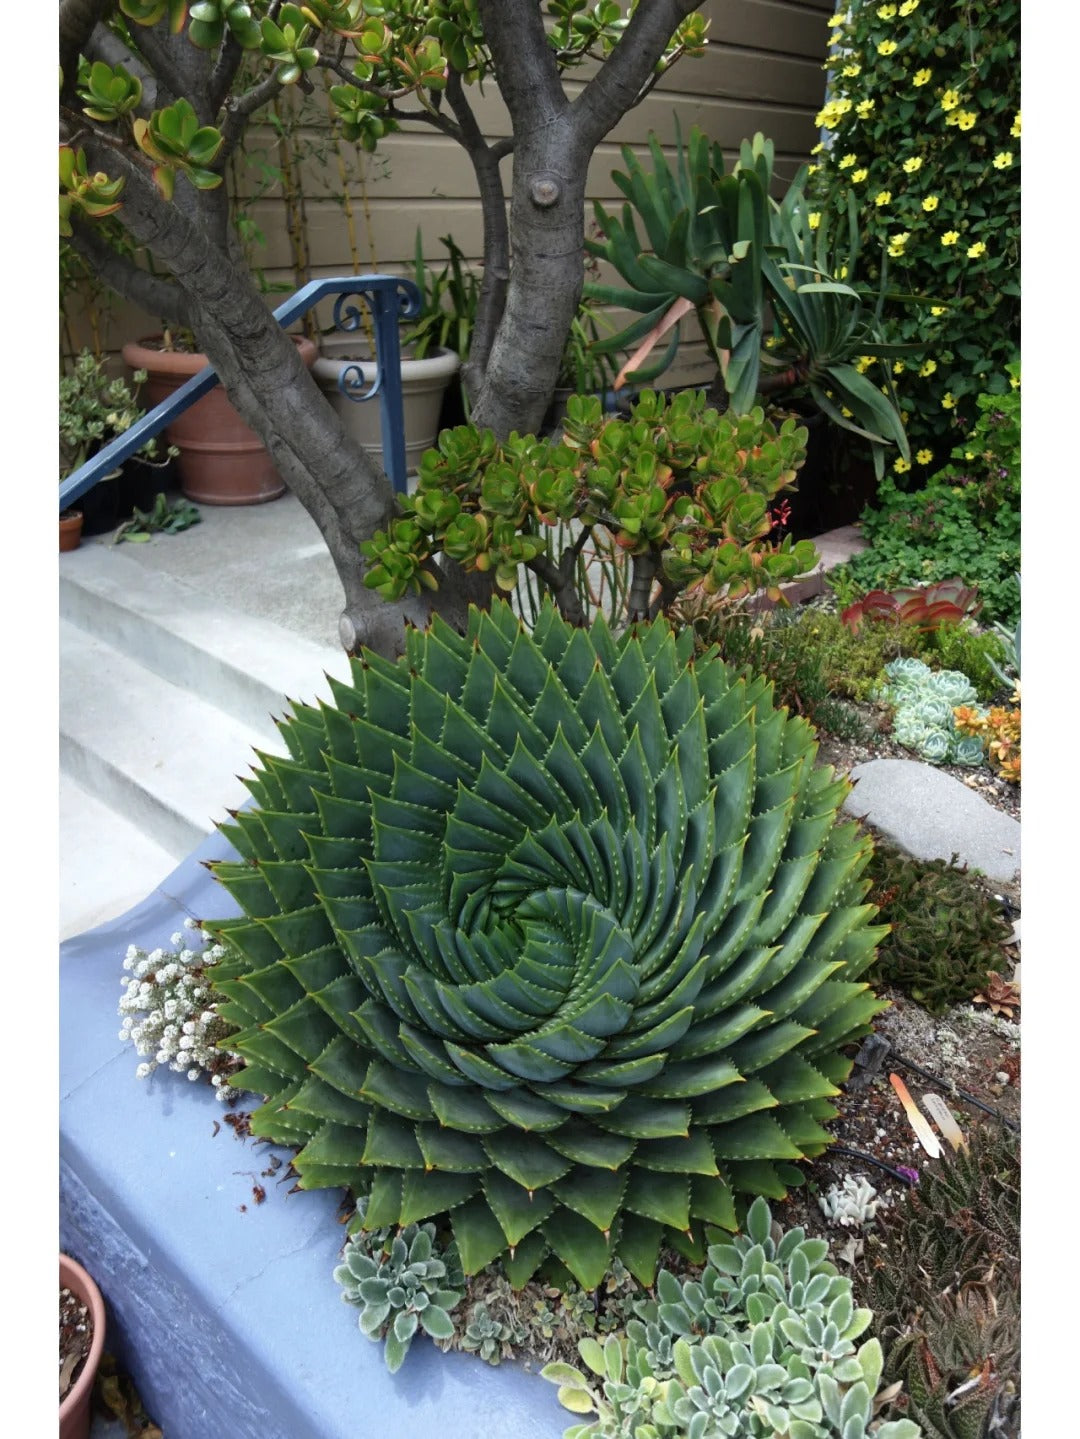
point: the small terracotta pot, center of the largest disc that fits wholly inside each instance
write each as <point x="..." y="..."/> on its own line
<point x="75" y="1406"/>
<point x="70" y="529"/>
<point x="222" y="461"/>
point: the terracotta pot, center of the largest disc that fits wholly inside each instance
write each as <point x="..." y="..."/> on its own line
<point x="423" y="385"/>
<point x="75" y="1407"/>
<point x="222" y="461"/>
<point x="70" y="529"/>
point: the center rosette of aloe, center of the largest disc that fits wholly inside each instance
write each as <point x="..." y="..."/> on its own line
<point x="553" y="936"/>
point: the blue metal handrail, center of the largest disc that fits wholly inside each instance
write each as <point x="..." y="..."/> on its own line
<point x="390" y="300"/>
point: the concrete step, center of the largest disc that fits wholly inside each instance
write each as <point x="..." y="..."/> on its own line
<point x="107" y="864"/>
<point x="163" y="758"/>
<point x="243" y="665"/>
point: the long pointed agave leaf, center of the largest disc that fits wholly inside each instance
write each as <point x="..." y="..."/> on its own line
<point x="515" y="966"/>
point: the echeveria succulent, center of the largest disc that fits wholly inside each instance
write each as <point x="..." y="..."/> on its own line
<point x="555" y="934"/>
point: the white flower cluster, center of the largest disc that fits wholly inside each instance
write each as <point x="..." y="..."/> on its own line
<point x="852" y="1204"/>
<point x="924" y="700"/>
<point x="168" y="1013"/>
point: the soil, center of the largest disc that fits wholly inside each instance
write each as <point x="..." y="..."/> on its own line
<point x="968" y="1049"/>
<point x="76" y="1335"/>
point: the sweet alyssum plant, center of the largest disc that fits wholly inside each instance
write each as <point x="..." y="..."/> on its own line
<point x="551" y="936"/>
<point x="169" y="1014"/>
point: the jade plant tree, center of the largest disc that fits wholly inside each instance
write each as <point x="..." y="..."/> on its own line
<point x="772" y="284"/>
<point x="155" y="96"/>
<point x="551" y="938"/>
<point x="683" y="491"/>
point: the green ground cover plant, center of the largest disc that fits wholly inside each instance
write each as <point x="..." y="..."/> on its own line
<point x="966" y="521"/>
<point x="945" y="933"/>
<point x="923" y="123"/>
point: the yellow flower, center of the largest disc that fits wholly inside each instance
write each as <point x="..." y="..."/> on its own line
<point x="857" y="176"/>
<point x="969" y="454"/>
<point x="864" y="109"/>
<point x="841" y="274"/>
<point x="863" y="363"/>
<point x="1002" y="160"/>
<point x="947" y="401"/>
<point x="847" y="161"/>
<point x="817" y="148"/>
<point x="924" y="457"/>
<point x="950" y="237"/>
<point x="966" y="119"/>
<point x="897" y="243"/>
<point x="976" y="251"/>
<point x="851" y="71"/>
<point x="930" y="202"/>
<point x="1014" y="383"/>
<point x="886" y="12"/>
<point x="898" y="367"/>
<point x="937" y="309"/>
<point x="927" y="368"/>
<point x="922" y="77"/>
<point x="1015" y="131"/>
<point x="812" y="169"/>
<point x="882" y="198"/>
<point x="886" y="47"/>
<point x="835" y="20"/>
<point x="909" y="7"/>
<point x="950" y="99"/>
<point x="901" y="466"/>
<point x="912" y="164"/>
<point x="814" y="219"/>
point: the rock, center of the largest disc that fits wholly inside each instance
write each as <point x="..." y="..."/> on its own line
<point x="934" y="816"/>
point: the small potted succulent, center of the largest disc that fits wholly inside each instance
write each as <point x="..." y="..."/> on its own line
<point x="94" y="409"/>
<point x="82" y="1343"/>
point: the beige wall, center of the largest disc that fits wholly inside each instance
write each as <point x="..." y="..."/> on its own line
<point x="762" y="71"/>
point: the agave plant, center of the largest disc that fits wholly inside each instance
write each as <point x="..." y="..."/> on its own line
<point x="552" y="933"/>
<point x="718" y="246"/>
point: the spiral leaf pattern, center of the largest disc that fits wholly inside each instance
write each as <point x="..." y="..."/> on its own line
<point x="554" y="933"/>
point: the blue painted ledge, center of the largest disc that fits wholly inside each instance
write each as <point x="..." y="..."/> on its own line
<point x="229" y="1321"/>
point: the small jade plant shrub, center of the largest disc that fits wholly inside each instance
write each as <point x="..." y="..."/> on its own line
<point x="681" y="489"/>
<point x="401" y="1282"/>
<point x="762" y="1344"/>
<point x="946" y="934"/>
<point x="924" y="701"/>
<point x="553" y="936"/>
<point x="168" y="1010"/>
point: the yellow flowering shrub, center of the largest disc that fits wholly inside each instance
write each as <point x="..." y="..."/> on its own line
<point x="927" y="134"/>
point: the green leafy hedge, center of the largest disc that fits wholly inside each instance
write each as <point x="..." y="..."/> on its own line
<point x="923" y="122"/>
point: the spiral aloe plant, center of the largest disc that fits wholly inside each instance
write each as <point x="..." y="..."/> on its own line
<point x="554" y="933"/>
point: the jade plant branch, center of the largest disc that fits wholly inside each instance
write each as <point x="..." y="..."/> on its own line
<point x="534" y="260"/>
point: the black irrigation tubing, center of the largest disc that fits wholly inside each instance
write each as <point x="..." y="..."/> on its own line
<point x="953" y="1089"/>
<point x="869" y="1159"/>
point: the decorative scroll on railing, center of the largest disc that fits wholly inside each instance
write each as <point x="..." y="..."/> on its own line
<point x="389" y="298"/>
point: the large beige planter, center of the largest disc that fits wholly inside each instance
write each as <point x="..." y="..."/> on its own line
<point x="423" y="383"/>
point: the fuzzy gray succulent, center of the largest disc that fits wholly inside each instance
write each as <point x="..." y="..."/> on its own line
<point x="490" y="1337"/>
<point x="924" y="700"/>
<point x="401" y="1283"/>
<point x="854" y="1203"/>
<point x="763" y="1345"/>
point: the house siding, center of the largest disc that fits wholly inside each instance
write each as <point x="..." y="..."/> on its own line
<point x="762" y="71"/>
